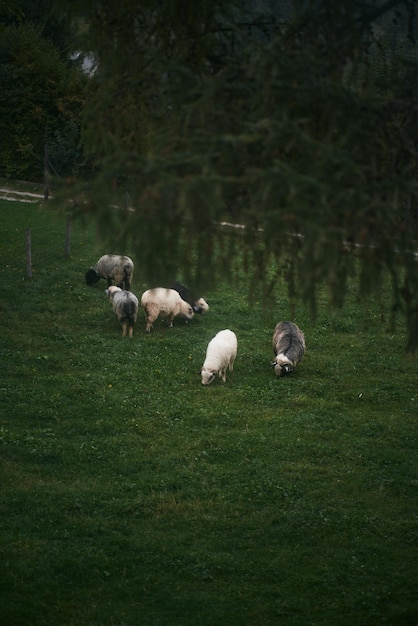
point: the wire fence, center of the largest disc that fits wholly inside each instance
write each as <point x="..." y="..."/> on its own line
<point x="36" y="238"/>
<point x="28" y="240"/>
<point x="51" y="238"/>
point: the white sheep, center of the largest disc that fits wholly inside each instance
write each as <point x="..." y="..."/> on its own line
<point x="165" y="303"/>
<point x="112" y="267"/>
<point x="199" y="305"/>
<point x="220" y="355"/>
<point x="288" y="347"/>
<point x="125" y="305"/>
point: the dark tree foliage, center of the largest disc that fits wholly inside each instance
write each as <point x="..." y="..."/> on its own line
<point x="51" y="24"/>
<point x="295" y="120"/>
<point x="41" y="92"/>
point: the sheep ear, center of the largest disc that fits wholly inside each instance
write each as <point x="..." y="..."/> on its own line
<point x="273" y="363"/>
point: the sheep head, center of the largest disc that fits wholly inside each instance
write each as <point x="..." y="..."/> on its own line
<point x="280" y="368"/>
<point x="186" y="310"/>
<point x="92" y="276"/>
<point x="111" y="291"/>
<point x="207" y="376"/>
<point x="200" y="306"/>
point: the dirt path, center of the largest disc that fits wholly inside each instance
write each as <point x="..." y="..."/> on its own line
<point x="6" y="193"/>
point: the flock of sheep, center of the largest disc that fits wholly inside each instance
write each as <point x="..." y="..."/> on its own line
<point x="288" y="339"/>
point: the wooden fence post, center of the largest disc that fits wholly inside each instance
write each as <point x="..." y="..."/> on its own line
<point x="46" y="173"/>
<point x="28" y="253"/>
<point x="68" y="235"/>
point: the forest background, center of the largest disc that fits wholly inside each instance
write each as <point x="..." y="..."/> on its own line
<point x="285" y="117"/>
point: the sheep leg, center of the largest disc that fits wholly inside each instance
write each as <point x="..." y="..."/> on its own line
<point x="149" y="321"/>
<point x="131" y="331"/>
<point x="151" y="313"/>
<point x="124" y="326"/>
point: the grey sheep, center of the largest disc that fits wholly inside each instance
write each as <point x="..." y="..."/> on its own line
<point x="125" y="305"/>
<point x="288" y="347"/>
<point x="114" y="268"/>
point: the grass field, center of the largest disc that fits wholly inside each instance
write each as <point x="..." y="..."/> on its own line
<point x="131" y="495"/>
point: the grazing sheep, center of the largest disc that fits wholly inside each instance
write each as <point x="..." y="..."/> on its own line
<point x="166" y="303"/>
<point x="112" y="267"/>
<point x="288" y="347"/>
<point x="125" y="305"/>
<point x="220" y="355"/>
<point x="199" y="305"/>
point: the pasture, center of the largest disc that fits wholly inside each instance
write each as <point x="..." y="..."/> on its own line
<point x="133" y="495"/>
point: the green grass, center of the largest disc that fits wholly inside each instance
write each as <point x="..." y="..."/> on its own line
<point x="132" y="495"/>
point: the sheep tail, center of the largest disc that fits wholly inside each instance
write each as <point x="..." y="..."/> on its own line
<point x="129" y="309"/>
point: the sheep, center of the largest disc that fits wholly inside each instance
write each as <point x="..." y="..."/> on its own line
<point x="220" y="355"/>
<point x="164" y="302"/>
<point x="199" y="305"/>
<point x="112" y="267"/>
<point x="125" y="305"/>
<point x="288" y="347"/>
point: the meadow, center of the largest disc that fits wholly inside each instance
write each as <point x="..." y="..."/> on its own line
<point x="131" y="495"/>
